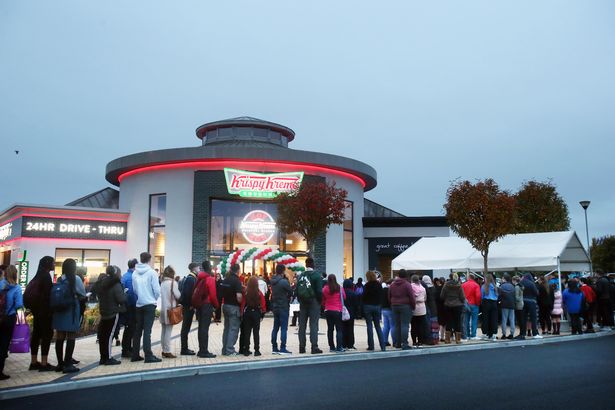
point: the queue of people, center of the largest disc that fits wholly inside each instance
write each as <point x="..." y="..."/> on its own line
<point x="414" y="310"/>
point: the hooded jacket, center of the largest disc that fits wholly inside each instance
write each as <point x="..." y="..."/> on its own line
<point x="530" y="291"/>
<point x="400" y="293"/>
<point x="111" y="296"/>
<point x="145" y="285"/>
<point x="507" y="295"/>
<point x="452" y="294"/>
<point x="280" y="293"/>
<point x="14" y="299"/>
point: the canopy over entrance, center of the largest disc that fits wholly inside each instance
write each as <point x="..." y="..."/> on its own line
<point x="530" y="252"/>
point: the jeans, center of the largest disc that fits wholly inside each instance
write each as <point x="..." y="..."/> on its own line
<point x="129" y="329"/>
<point x="388" y="326"/>
<point x="402" y="314"/>
<point x="334" y="320"/>
<point x="471" y="321"/>
<point x="508" y="319"/>
<point x="232" y="321"/>
<point x="204" y="319"/>
<point x="188" y="315"/>
<point x="372" y="315"/>
<point x="106" y="328"/>
<point x="250" y="324"/>
<point x="6" y="334"/>
<point x="490" y="316"/>
<point x="311" y="311"/>
<point x="280" y="322"/>
<point x="529" y="308"/>
<point x="144" y="322"/>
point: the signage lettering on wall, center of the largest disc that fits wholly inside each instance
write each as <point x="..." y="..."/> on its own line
<point x="258" y="227"/>
<point x="37" y="227"/>
<point x="22" y="269"/>
<point x="256" y="185"/>
<point x="6" y="230"/>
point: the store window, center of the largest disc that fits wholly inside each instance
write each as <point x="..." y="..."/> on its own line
<point x="157" y="224"/>
<point x="95" y="261"/>
<point x="348" y="241"/>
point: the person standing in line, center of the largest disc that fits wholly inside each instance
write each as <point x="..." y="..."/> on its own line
<point x="169" y="296"/>
<point x="372" y="297"/>
<point x="530" y="293"/>
<point x="13" y="302"/>
<point x="147" y="290"/>
<point x="111" y="302"/>
<point x="281" y="293"/>
<point x="545" y="305"/>
<point x="67" y="322"/>
<point x="507" y="302"/>
<point x="131" y="306"/>
<point x="36" y="299"/>
<point x="454" y="300"/>
<point x="187" y="310"/>
<point x="432" y="310"/>
<point x="358" y="290"/>
<point x="473" y="295"/>
<point x="232" y="295"/>
<point x="516" y="281"/>
<point x="309" y="309"/>
<point x="332" y="297"/>
<point x="218" y="311"/>
<point x="419" y="316"/>
<point x="403" y="304"/>
<point x="590" y="298"/>
<point x="442" y="312"/>
<point x="573" y="301"/>
<point x="489" y="295"/>
<point x="603" y="293"/>
<point x="558" y="309"/>
<point x="388" y="324"/>
<point x="205" y="311"/>
<point x="253" y="308"/>
<point x="352" y="305"/>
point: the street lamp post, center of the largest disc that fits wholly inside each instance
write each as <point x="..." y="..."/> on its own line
<point x="585" y="205"/>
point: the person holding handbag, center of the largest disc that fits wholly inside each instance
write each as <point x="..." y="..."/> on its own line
<point x="332" y="299"/>
<point x="169" y="295"/>
<point x="13" y="302"/>
<point x="111" y="302"/>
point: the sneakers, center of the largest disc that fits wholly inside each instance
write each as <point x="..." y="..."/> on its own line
<point x="494" y="338"/>
<point x="520" y="337"/>
<point x="339" y="350"/>
<point x="284" y="351"/>
<point x="510" y="337"/>
<point x="274" y="350"/>
<point x="475" y="338"/>
<point x="538" y="337"/>
<point x="206" y="355"/>
<point x="258" y="353"/>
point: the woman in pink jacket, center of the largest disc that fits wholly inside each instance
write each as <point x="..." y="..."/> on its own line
<point x="557" y="311"/>
<point x="419" y="316"/>
<point x="332" y="302"/>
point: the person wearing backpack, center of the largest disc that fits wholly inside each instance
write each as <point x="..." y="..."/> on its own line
<point x="36" y="299"/>
<point x="10" y="301"/>
<point x="186" y="287"/>
<point x="64" y="301"/>
<point x="131" y="307"/>
<point x="309" y="293"/>
<point x="205" y="302"/>
<point x="111" y="302"/>
<point x="147" y="289"/>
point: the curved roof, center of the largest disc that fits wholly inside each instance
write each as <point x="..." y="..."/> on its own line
<point x="246" y="122"/>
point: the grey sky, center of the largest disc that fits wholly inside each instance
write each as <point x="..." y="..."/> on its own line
<point x="425" y="92"/>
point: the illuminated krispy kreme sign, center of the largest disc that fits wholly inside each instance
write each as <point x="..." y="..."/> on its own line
<point x="255" y="185"/>
<point x="258" y="227"/>
<point x="38" y="227"/>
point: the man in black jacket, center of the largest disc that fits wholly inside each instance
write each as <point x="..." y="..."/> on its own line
<point x="280" y="305"/>
<point x="530" y="295"/>
<point x="186" y="301"/>
<point x="603" y="293"/>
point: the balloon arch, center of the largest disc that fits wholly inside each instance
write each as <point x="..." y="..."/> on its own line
<point x="268" y="254"/>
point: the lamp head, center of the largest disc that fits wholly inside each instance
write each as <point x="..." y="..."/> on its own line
<point x="585" y="204"/>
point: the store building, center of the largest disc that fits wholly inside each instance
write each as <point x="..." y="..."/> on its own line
<point x="203" y="202"/>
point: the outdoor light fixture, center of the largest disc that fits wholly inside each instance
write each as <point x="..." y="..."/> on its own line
<point x="585" y="205"/>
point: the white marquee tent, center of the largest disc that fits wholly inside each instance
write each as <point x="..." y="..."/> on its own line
<point x="548" y="251"/>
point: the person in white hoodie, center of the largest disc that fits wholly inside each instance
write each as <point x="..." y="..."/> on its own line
<point x="147" y="290"/>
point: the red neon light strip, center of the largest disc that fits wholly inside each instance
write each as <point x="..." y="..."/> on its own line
<point x="296" y="166"/>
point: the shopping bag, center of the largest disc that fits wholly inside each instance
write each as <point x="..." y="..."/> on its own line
<point x="20" y="342"/>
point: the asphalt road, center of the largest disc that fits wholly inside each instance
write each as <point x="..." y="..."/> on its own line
<point x="563" y="375"/>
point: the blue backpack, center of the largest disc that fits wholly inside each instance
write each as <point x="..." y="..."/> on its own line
<point x="62" y="296"/>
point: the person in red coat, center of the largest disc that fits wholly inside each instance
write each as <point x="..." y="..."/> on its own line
<point x="471" y="289"/>
<point x="253" y="308"/>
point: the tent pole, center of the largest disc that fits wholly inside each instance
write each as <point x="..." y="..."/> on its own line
<point x="559" y="279"/>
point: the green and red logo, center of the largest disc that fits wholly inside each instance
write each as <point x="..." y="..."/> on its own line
<point x="255" y="185"/>
<point x="258" y="227"/>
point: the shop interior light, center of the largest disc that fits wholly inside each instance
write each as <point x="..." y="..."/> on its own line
<point x="289" y="242"/>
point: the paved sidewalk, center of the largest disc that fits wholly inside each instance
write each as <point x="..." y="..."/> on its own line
<point x="86" y="351"/>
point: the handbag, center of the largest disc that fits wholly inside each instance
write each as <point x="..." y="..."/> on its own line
<point x="345" y="313"/>
<point x="175" y="314"/>
<point x="20" y="342"/>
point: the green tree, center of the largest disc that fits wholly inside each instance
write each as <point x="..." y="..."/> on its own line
<point x="311" y="209"/>
<point x="540" y="208"/>
<point x="480" y="213"/>
<point x="603" y="253"/>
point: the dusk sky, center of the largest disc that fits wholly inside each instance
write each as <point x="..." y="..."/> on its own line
<point x="424" y="92"/>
